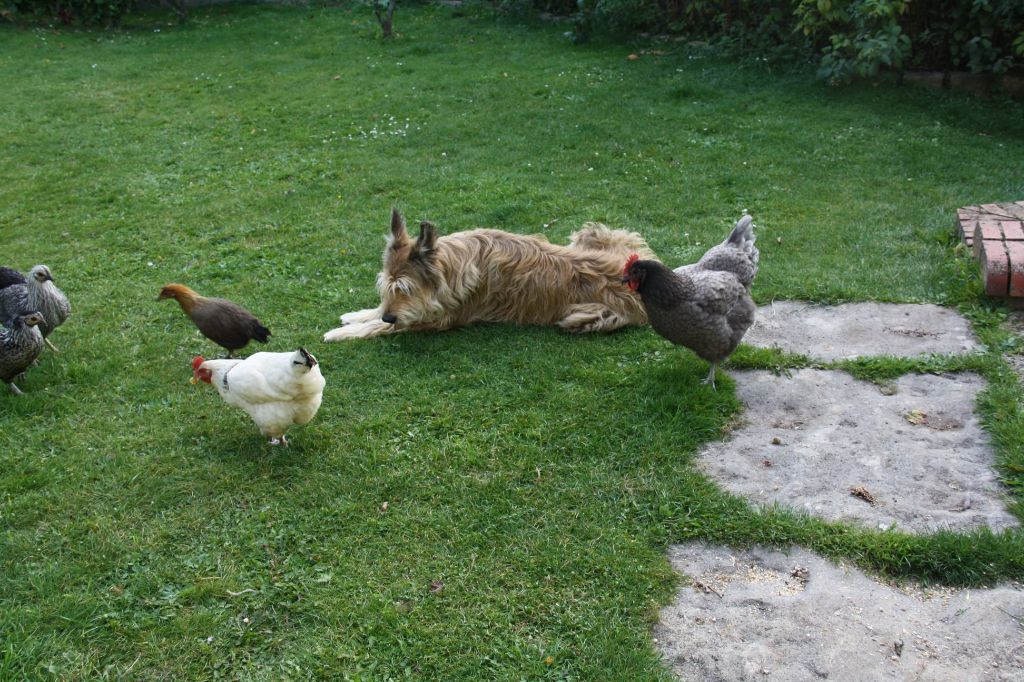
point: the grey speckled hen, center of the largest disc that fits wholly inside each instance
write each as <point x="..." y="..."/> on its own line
<point x="705" y="306"/>
<point x="20" y="344"/>
<point x="37" y="294"/>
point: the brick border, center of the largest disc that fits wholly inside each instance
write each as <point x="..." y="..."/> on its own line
<point x="995" y="234"/>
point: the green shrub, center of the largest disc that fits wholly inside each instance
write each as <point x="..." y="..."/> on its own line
<point x="756" y="24"/>
<point x="862" y="37"/>
<point x="850" y="38"/>
<point x="106" y="13"/>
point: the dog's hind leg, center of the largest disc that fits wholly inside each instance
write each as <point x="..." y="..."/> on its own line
<point x="361" y="330"/>
<point x="365" y="315"/>
<point x="584" y="318"/>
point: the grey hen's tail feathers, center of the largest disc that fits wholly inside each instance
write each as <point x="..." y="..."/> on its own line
<point x="742" y="237"/>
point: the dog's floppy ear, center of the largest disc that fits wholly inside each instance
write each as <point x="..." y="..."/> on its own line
<point x="399" y="236"/>
<point x="427" y="240"/>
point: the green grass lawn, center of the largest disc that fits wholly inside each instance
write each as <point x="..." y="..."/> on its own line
<point x="532" y="479"/>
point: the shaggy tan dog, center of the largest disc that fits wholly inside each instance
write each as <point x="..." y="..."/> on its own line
<point x="436" y="282"/>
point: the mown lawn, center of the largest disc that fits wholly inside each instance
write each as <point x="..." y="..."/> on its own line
<point x="532" y="479"/>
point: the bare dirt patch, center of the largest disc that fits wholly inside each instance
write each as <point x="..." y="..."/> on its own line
<point x="912" y="455"/>
<point x="765" y="614"/>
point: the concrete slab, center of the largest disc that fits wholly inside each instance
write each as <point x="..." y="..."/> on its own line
<point x="842" y="449"/>
<point x="763" y="614"/>
<point x="861" y="329"/>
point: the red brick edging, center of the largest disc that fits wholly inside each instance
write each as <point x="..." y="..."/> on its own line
<point x="995" y="232"/>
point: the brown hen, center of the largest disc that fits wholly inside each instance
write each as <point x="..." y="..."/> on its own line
<point x="227" y="324"/>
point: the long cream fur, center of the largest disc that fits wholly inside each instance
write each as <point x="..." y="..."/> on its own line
<point x="440" y="282"/>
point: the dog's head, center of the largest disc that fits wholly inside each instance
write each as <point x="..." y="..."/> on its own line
<point x="409" y="283"/>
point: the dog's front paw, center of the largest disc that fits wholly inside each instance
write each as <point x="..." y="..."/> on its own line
<point x="357" y="316"/>
<point x="339" y="334"/>
<point x="360" y="330"/>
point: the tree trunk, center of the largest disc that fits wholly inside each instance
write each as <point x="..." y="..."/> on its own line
<point x="385" y="18"/>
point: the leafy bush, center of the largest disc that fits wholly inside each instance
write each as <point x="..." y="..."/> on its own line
<point x="107" y="13"/>
<point x="861" y="37"/>
<point x="851" y="38"/>
<point x="757" y="24"/>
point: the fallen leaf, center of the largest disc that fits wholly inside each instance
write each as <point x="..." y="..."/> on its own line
<point x="549" y="660"/>
<point x="862" y="493"/>
<point x="384" y="506"/>
<point x="704" y="587"/>
<point x="633" y="57"/>
<point x="916" y="417"/>
<point x="436" y="586"/>
<point x="338" y="77"/>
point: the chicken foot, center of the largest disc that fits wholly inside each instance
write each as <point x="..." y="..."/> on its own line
<point x="710" y="378"/>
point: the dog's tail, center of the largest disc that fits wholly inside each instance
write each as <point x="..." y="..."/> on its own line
<point x="600" y="237"/>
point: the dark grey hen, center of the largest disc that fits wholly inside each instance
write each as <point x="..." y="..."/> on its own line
<point x="705" y="306"/>
<point x="21" y="341"/>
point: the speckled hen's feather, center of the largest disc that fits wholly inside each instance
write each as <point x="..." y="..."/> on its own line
<point x="20" y="344"/>
<point x="9" y="276"/>
<point x="14" y="300"/>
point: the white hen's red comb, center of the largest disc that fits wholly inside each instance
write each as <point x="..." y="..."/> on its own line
<point x="197" y="360"/>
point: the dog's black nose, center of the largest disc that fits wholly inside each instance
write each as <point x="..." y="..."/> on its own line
<point x="389" y="318"/>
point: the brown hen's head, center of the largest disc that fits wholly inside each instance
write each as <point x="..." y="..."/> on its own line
<point x="178" y="292"/>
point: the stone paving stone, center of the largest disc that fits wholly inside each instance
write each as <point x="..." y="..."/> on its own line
<point x="768" y="615"/>
<point x="911" y="455"/>
<point x="861" y="329"/>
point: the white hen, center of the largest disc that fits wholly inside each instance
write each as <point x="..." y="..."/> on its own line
<point x="275" y="389"/>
